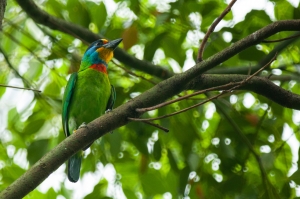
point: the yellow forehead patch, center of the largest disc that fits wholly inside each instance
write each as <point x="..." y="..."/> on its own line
<point x="104" y="41"/>
<point x="105" y="54"/>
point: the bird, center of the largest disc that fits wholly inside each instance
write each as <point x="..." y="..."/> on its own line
<point x="88" y="95"/>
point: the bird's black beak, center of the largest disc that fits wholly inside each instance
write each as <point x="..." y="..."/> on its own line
<point x="113" y="44"/>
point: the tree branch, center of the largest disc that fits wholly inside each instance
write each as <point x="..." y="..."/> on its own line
<point x="118" y="117"/>
<point x="234" y="87"/>
<point x="260" y="85"/>
<point x="244" y="70"/>
<point x="42" y="17"/>
<point x="279" y="40"/>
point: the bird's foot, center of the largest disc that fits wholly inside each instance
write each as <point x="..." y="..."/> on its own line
<point x="83" y="125"/>
<point x="108" y="110"/>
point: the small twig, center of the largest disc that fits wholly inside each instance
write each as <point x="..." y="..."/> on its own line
<point x="141" y="110"/>
<point x="132" y="73"/>
<point x="269" y="76"/>
<point x="237" y="85"/>
<point x="279" y="40"/>
<point x="157" y="126"/>
<point x="211" y="29"/>
<point x="150" y="123"/>
<point x="262" y="68"/>
<point x="249" y="71"/>
<point x="31" y="89"/>
<point x="177" y="112"/>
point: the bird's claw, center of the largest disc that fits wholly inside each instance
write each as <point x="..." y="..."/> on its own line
<point x="108" y="110"/>
<point x="83" y="125"/>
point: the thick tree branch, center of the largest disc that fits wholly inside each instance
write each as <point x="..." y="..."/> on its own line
<point x="118" y="117"/>
<point x="245" y="70"/>
<point x="260" y="85"/>
<point x="42" y="17"/>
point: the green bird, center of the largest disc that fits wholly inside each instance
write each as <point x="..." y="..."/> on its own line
<point x="88" y="95"/>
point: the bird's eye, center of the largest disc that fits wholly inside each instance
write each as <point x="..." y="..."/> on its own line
<point x="99" y="43"/>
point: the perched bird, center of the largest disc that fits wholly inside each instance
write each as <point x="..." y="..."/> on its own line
<point x="88" y="95"/>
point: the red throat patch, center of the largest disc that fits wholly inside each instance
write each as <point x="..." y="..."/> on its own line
<point x="99" y="67"/>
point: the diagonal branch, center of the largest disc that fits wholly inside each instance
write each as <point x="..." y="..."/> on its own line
<point x="118" y="117"/>
<point x="235" y="86"/>
<point x="244" y="70"/>
<point x="259" y="85"/>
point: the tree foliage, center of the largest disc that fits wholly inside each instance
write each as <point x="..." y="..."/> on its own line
<point x="240" y="145"/>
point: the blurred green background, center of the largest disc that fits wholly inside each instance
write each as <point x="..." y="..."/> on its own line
<point x="203" y="155"/>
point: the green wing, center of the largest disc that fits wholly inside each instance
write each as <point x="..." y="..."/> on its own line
<point x="67" y="101"/>
<point x="112" y="98"/>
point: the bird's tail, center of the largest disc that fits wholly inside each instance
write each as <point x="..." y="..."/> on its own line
<point x="74" y="164"/>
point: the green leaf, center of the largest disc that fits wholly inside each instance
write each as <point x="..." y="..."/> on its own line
<point x="193" y="161"/>
<point x="251" y="54"/>
<point x="34" y="126"/>
<point x="115" y="143"/>
<point x="99" y="191"/>
<point x="157" y="150"/>
<point x="283" y="10"/>
<point x="78" y="13"/>
<point x="54" y="7"/>
<point x="295" y="177"/>
<point x="135" y="6"/>
<point x="52" y="89"/>
<point x="183" y="179"/>
<point x="36" y="150"/>
<point x="169" y="45"/>
<point x="35" y="194"/>
<point x="129" y="193"/>
<point x="172" y="161"/>
<point x="153" y="183"/>
<point x="153" y="45"/>
<point x="297" y="12"/>
<point x="98" y="13"/>
<point x="51" y="194"/>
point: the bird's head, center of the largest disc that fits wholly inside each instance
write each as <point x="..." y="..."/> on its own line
<point x="99" y="52"/>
